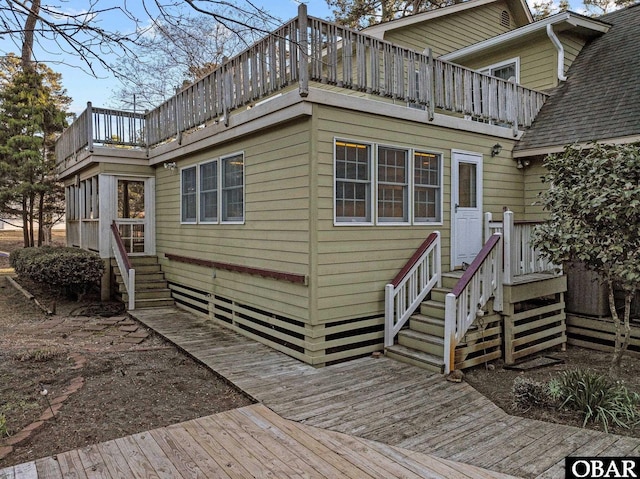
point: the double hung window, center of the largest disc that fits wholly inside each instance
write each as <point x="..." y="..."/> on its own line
<point x="380" y="184"/>
<point x="213" y="191"/>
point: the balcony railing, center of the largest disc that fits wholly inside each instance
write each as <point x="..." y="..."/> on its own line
<point x="310" y="49"/>
<point x="521" y="256"/>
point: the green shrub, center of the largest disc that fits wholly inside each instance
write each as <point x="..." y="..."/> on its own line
<point x="528" y="393"/>
<point x="71" y="269"/>
<point x="596" y="397"/>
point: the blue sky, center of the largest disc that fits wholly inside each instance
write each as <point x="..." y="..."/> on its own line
<point x="82" y="87"/>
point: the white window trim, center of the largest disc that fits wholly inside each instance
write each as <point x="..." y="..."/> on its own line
<point x="409" y="165"/>
<point x="183" y="222"/>
<point x="374" y="185"/>
<point x="219" y="221"/>
<point x="244" y="190"/>
<point x="440" y="156"/>
<point x="199" y="192"/>
<point x="486" y="69"/>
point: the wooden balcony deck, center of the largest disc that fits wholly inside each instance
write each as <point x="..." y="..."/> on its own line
<point x="380" y="400"/>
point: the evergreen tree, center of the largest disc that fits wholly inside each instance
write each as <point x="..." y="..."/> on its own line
<point x="32" y="112"/>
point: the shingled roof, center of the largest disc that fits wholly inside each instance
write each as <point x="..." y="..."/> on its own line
<point x="601" y="98"/>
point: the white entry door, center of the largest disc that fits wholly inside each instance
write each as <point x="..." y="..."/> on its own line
<point x="466" y="207"/>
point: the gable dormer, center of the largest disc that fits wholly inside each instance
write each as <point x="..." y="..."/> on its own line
<point x="537" y="55"/>
<point x="448" y="29"/>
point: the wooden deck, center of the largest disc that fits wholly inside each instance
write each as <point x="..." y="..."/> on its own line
<point x="243" y="443"/>
<point x="388" y="402"/>
<point x="384" y="401"/>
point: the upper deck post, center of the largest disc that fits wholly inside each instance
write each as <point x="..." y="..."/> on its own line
<point x="89" y="127"/>
<point x="303" y="50"/>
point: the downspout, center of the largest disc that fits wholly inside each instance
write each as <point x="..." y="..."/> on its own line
<point x="556" y="42"/>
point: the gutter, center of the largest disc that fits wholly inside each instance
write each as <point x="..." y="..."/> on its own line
<point x="575" y="20"/>
<point x="558" y="44"/>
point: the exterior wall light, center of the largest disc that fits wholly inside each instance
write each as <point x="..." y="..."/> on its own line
<point x="170" y="165"/>
<point x="496" y="149"/>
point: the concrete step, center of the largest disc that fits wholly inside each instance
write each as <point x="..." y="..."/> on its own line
<point x="427" y="325"/>
<point x="425" y="343"/>
<point x="416" y="358"/>
<point x="433" y="309"/>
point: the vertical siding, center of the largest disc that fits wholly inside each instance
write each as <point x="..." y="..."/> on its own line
<point x="452" y="32"/>
<point x="275" y="235"/>
<point x="355" y="262"/>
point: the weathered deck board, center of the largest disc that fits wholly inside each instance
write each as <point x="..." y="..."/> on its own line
<point x="244" y="443"/>
<point x="396" y="405"/>
<point x="384" y="401"/>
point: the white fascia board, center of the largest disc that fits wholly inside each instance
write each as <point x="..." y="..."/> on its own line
<point x="539" y="26"/>
<point x="548" y="150"/>
<point x="379" y="30"/>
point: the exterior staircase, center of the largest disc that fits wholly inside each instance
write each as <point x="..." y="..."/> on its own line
<point x="152" y="290"/>
<point x="422" y="343"/>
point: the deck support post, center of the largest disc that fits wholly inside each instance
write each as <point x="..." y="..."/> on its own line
<point x="303" y="50"/>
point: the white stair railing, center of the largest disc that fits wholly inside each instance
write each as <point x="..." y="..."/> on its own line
<point x="126" y="270"/>
<point x="479" y="283"/>
<point x="411" y="285"/>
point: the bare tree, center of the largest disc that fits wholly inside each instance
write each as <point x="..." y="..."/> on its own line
<point x="174" y="53"/>
<point x="60" y="34"/>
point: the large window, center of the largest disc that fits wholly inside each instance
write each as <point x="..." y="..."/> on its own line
<point x="213" y="191"/>
<point x="426" y="198"/>
<point x="209" y="192"/>
<point x="233" y="188"/>
<point x="393" y="185"/>
<point x="188" y="195"/>
<point x="353" y="182"/>
<point x="374" y="185"/>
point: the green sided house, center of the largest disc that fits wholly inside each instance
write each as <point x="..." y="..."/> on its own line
<point x="332" y="193"/>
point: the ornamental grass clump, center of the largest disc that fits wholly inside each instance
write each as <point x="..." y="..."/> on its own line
<point x="596" y="397"/>
<point x="529" y="393"/>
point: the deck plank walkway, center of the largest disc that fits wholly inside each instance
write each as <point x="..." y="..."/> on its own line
<point x="244" y="443"/>
<point x="386" y="401"/>
<point x="363" y="418"/>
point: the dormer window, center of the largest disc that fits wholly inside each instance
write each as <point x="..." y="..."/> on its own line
<point x="507" y="70"/>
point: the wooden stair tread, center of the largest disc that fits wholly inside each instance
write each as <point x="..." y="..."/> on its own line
<point x="414" y="354"/>
<point x="417" y="335"/>
<point x="427" y="319"/>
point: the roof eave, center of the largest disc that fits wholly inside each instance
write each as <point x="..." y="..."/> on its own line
<point x="379" y="30"/>
<point x="551" y="149"/>
<point x="573" y="19"/>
